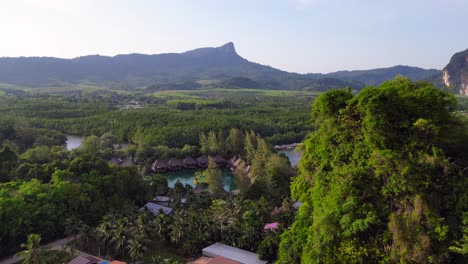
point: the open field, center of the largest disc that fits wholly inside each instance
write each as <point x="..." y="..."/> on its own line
<point x="216" y="92"/>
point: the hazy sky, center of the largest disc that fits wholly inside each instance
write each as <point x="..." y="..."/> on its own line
<point x="293" y="35"/>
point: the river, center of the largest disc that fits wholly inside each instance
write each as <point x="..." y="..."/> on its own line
<point x="294" y="156"/>
<point x="74" y="141"/>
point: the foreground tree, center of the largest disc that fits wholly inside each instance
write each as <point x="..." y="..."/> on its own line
<point x="137" y="247"/>
<point x="214" y="177"/>
<point x="33" y="253"/>
<point x="381" y="178"/>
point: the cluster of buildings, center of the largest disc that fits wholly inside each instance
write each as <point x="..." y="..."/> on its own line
<point x="173" y="164"/>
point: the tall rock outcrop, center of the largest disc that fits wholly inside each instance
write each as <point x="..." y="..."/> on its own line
<point x="455" y="74"/>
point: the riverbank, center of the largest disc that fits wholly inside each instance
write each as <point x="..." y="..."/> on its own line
<point x="287" y="146"/>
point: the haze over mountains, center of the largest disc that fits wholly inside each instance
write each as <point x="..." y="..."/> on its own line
<point x="218" y="67"/>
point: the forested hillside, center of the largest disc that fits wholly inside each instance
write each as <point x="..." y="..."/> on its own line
<point x="48" y="191"/>
<point x="378" y="76"/>
<point x="383" y="179"/>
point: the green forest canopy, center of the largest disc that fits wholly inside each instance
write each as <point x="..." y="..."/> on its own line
<point x="383" y="179"/>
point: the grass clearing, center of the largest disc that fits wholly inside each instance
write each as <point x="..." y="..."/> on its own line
<point x="203" y="93"/>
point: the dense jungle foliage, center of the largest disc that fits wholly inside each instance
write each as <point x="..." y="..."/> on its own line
<point x="48" y="192"/>
<point x="171" y="121"/>
<point x="383" y="179"/>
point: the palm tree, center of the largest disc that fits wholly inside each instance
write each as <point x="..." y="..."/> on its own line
<point x="119" y="236"/>
<point x="103" y="233"/>
<point x="159" y="225"/>
<point x="222" y="213"/>
<point x="73" y="227"/>
<point x="33" y="253"/>
<point x="177" y="227"/>
<point x="250" y="234"/>
<point x="86" y="233"/>
<point x="137" y="247"/>
<point x="143" y="224"/>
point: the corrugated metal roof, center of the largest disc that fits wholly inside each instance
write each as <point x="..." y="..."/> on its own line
<point x="156" y="208"/>
<point x="233" y="253"/>
<point x="296" y="205"/>
<point x="79" y="260"/>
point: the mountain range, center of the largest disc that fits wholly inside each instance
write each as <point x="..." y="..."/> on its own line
<point x="217" y="67"/>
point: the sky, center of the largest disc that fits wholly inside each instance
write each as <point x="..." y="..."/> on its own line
<point x="304" y="36"/>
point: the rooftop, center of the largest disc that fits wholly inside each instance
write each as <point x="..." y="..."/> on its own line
<point x="296" y="205"/>
<point x="215" y="260"/>
<point x="84" y="260"/>
<point x="232" y="253"/>
<point x="271" y="226"/>
<point x="156" y="208"/>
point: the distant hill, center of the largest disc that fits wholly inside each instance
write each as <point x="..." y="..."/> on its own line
<point x="455" y="74"/>
<point x="217" y="66"/>
<point x="378" y="76"/>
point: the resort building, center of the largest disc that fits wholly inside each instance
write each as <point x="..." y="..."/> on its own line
<point x="159" y="166"/>
<point x="174" y="164"/>
<point x="85" y="260"/>
<point x="156" y="208"/>
<point x="220" y="161"/>
<point x="189" y="163"/>
<point x="219" y="253"/>
<point x="202" y="161"/>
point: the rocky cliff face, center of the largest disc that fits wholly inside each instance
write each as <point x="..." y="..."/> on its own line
<point x="455" y="74"/>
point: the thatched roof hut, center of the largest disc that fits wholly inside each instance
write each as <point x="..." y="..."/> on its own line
<point x="237" y="163"/>
<point x="202" y="161"/>
<point x="159" y="166"/>
<point x="128" y="163"/>
<point x="175" y="164"/>
<point x="234" y="163"/>
<point x="220" y="161"/>
<point x="231" y="161"/>
<point x="189" y="163"/>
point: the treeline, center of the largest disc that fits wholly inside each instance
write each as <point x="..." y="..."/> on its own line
<point x="197" y="104"/>
<point x="174" y="128"/>
<point x="21" y="135"/>
<point x="278" y="122"/>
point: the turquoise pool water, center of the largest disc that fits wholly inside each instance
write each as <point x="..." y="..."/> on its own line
<point x="186" y="177"/>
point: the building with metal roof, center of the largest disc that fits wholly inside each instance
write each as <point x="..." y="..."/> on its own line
<point x="156" y="208"/>
<point x="232" y="253"/>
